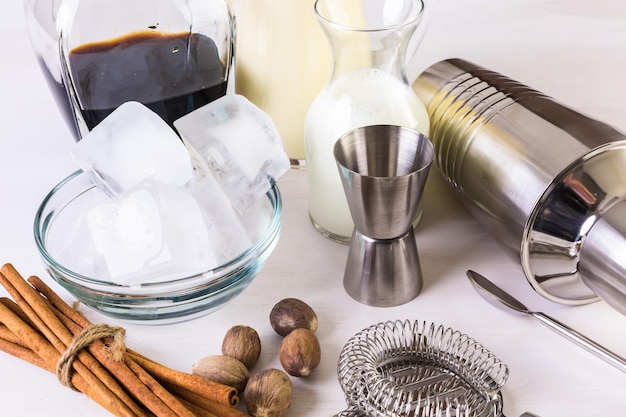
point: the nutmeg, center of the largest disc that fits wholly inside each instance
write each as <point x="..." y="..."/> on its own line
<point x="268" y="393"/>
<point x="300" y="353"/>
<point x="290" y="314"/>
<point x="223" y="369"/>
<point x="243" y="343"/>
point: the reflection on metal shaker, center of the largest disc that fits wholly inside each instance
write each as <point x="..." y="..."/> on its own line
<point x="548" y="182"/>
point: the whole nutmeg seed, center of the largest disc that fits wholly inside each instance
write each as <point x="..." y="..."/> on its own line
<point x="300" y="353"/>
<point x="223" y="369"/>
<point x="268" y="393"/>
<point x="242" y="343"/>
<point x="290" y="314"/>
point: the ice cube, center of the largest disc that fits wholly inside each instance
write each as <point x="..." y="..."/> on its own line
<point x="257" y="219"/>
<point x="225" y="227"/>
<point x="154" y="232"/>
<point x="241" y="145"/>
<point x="130" y="145"/>
<point x="76" y="250"/>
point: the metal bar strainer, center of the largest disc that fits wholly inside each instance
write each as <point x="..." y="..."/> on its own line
<point x="416" y="369"/>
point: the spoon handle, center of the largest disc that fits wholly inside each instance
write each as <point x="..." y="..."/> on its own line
<point x="582" y="341"/>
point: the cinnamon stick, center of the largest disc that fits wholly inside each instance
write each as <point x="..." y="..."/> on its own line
<point x="16" y="309"/>
<point x="139" y="382"/>
<point x="39" y="327"/>
<point x="199" y="412"/>
<point x="19" y="351"/>
<point x="48" y="357"/>
<point x="99" y="371"/>
<point x="160" y="408"/>
<point x="27" y="355"/>
<point x="172" y="403"/>
<point x="36" y="308"/>
<point x="58" y="302"/>
<point x="205" y="403"/>
<point x="7" y="334"/>
<point x="216" y="392"/>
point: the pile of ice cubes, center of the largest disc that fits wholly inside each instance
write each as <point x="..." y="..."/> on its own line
<point x="176" y="208"/>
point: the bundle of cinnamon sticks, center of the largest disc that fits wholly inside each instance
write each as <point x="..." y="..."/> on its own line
<point x="36" y="325"/>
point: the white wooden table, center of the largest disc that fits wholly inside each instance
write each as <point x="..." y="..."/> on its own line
<point x="573" y="50"/>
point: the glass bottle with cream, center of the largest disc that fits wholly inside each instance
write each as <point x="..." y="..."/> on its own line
<point x="282" y="57"/>
<point x="368" y="86"/>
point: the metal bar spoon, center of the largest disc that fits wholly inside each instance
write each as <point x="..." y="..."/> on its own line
<point x="498" y="297"/>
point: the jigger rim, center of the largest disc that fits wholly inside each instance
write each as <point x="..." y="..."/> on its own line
<point x="427" y="162"/>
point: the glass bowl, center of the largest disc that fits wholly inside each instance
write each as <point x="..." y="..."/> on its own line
<point x="59" y="220"/>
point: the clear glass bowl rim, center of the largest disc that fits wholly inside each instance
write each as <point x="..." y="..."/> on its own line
<point x="40" y="228"/>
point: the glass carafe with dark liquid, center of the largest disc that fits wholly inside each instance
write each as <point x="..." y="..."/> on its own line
<point x="171" y="55"/>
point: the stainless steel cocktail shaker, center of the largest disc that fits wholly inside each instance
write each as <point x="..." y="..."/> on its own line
<point x="547" y="181"/>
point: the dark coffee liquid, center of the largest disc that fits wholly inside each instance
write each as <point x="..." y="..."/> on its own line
<point x="172" y="74"/>
<point x="60" y="97"/>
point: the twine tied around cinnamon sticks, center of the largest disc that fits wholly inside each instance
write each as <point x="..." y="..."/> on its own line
<point x="84" y="339"/>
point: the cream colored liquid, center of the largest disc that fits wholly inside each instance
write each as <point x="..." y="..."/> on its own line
<point x="283" y="60"/>
<point x="361" y="98"/>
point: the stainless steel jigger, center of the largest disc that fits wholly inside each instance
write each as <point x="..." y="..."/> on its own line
<point x="383" y="170"/>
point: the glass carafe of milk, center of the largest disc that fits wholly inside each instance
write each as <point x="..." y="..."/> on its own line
<point x="368" y="86"/>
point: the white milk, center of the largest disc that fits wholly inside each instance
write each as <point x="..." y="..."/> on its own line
<point x="360" y="98"/>
<point x="283" y="60"/>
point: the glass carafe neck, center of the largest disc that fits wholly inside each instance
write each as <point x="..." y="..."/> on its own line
<point x="374" y="35"/>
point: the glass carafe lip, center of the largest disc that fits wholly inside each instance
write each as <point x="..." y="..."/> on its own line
<point x="409" y="19"/>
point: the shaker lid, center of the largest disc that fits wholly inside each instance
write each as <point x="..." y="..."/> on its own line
<point x="555" y="233"/>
